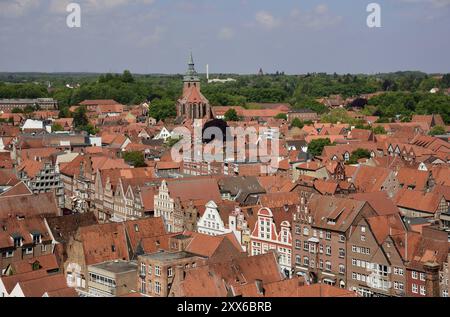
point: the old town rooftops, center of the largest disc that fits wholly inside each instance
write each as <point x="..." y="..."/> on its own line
<point x="334" y="213"/>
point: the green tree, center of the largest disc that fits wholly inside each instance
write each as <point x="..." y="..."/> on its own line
<point x="445" y="83"/>
<point x="29" y="109"/>
<point x="338" y="115"/>
<point x="315" y="147"/>
<point x="281" y="116"/>
<point x="80" y="118"/>
<point x="127" y="77"/>
<point x="357" y="155"/>
<point x="135" y="159"/>
<point x="90" y="129"/>
<point x="161" y="109"/>
<point x="379" y="130"/>
<point x="57" y="127"/>
<point x="17" y="110"/>
<point x="437" y="130"/>
<point x="64" y="112"/>
<point x="297" y="123"/>
<point x="231" y="115"/>
<point x="172" y="141"/>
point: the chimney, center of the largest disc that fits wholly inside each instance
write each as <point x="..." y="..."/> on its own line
<point x="432" y="279"/>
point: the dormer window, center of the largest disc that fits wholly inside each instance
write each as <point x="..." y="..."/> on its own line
<point x="37" y="238"/>
<point x="347" y="156"/>
<point x="18" y="241"/>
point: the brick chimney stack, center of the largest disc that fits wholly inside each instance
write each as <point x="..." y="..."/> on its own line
<point x="432" y="279"/>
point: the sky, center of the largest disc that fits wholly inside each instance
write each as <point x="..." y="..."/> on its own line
<point x="232" y="36"/>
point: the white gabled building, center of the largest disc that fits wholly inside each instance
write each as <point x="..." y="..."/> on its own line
<point x="211" y="222"/>
<point x="164" y="134"/>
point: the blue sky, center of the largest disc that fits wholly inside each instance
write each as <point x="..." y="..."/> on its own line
<point x="240" y="36"/>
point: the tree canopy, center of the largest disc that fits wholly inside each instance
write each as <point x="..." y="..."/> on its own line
<point x="135" y="159"/>
<point x="231" y="115"/>
<point x="357" y="155"/>
<point x="162" y="109"/>
<point x="315" y="147"/>
<point x="437" y="130"/>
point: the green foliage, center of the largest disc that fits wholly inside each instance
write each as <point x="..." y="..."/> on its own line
<point x="81" y="121"/>
<point x="64" y="112"/>
<point x="90" y="129"/>
<point x="297" y="123"/>
<point x="320" y="85"/>
<point x="281" y="116"/>
<point x="135" y="159"/>
<point x="172" y="141"/>
<point x="27" y="91"/>
<point x="445" y="82"/>
<point x="379" y="130"/>
<point x="304" y="102"/>
<point x="429" y="83"/>
<point x="29" y="109"/>
<point x="127" y="77"/>
<point x="161" y="109"/>
<point x="407" y="93"/>
<point x="361" y="125"/>
<point x="17" y="110"/>
<point x="357" y="155"/>
<point x="404" y="103"/>
<point x="36" y="266"/>
<point x="383" y="120"/>
<point x="437" y="130"/>
<point x="80" y="118"/>
<point x="338" y="115"/>
<point x="315" y="147"/>
<point x="231" y="115"/>
<point x="57" y="127"/>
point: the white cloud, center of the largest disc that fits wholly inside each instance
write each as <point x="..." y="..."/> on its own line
<point x="226" y="33"/>
<point x="59" y="6"/>
<point x="321" y="9"/>
<point x="319" y="17"/>
<point x="266" y="20"/>
<point x="16" y="8"/>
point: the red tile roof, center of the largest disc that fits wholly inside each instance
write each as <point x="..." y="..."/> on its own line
<point x="379" y="201"/>
<point x="417" y="200"/>
<point x="29" y="205"/>
<point x="37" y="287"/>
<point x="193" y="189"/>
<point x="412" y="177"/>
<point x="105" y="242"/>
<point x="46" y="262"/>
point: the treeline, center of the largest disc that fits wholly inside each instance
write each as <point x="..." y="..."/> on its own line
<point x="406" y="92"/>
<point x="405" y="104"/>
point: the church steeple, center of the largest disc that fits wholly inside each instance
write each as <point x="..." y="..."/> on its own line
<point x="192" y="104"/>
<point x="191" y="74"/>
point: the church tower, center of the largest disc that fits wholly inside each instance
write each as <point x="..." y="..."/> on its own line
<point x="192" y="104"/>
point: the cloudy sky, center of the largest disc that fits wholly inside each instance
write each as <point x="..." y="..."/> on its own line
<point x="155" y="36"/>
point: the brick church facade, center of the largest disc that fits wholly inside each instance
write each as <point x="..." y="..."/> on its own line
<point x="192" y="104"/>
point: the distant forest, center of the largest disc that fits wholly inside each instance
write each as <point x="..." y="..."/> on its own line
<point x="406" y="93"/>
